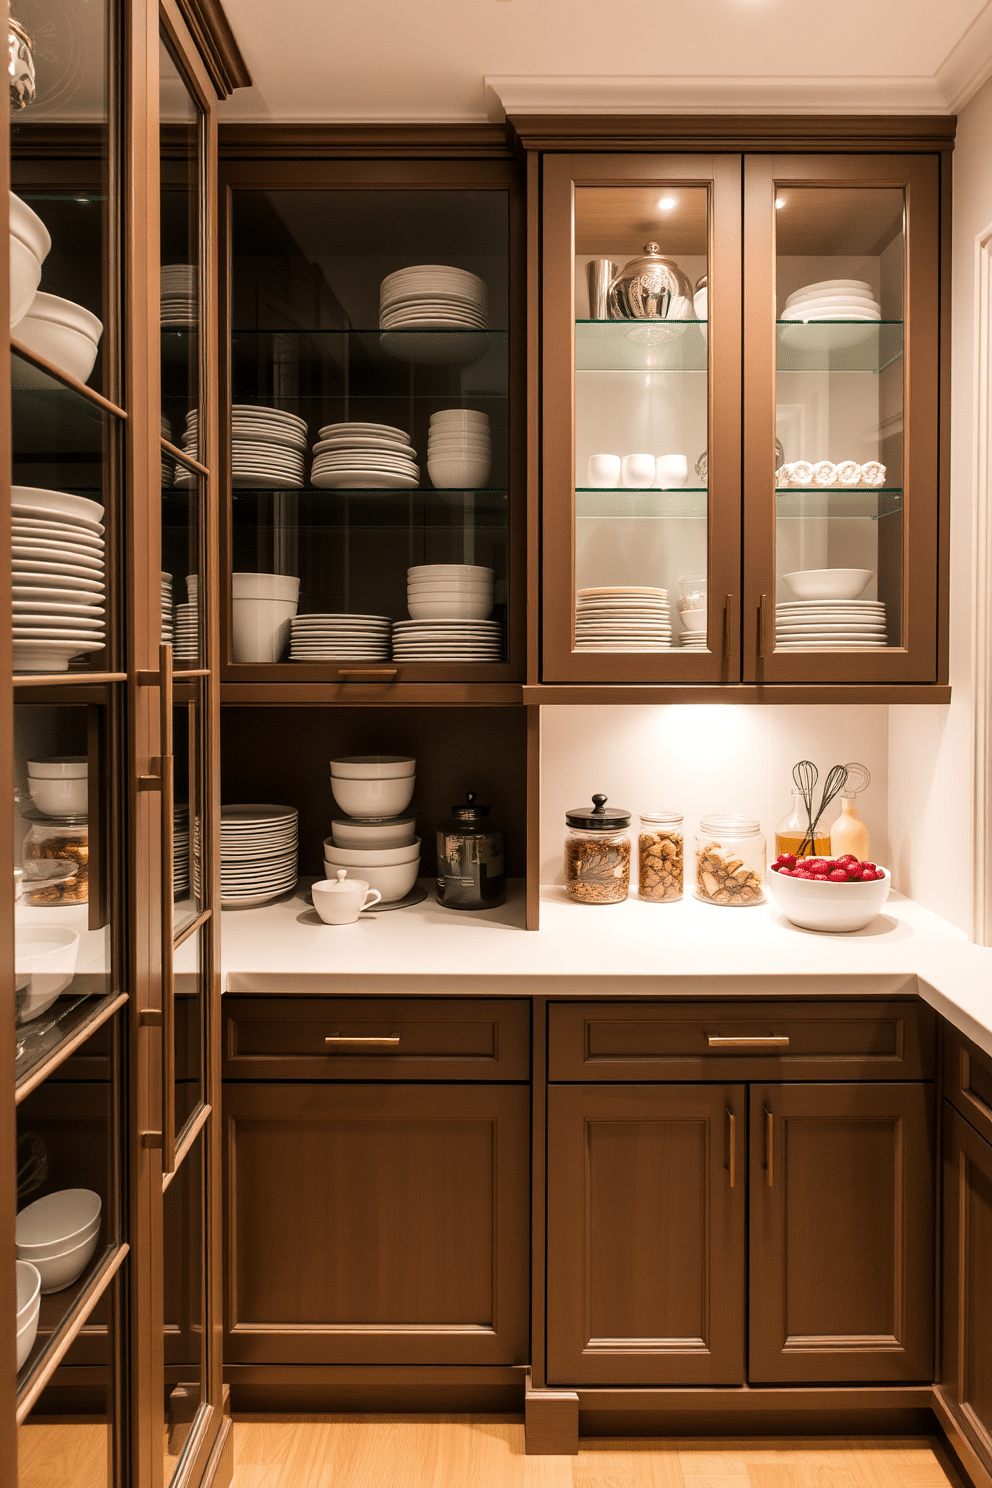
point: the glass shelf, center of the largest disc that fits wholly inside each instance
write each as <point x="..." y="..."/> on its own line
<point x="631" y="504"/>
<point x="826" y="345"/>
<point x="838" y="504"/>
<point x="640" y="346"/>
<point x="382" y="510"/>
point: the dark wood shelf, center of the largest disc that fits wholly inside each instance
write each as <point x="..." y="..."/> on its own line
<point x="731" y="692"/>
<point x="260" y="694"/>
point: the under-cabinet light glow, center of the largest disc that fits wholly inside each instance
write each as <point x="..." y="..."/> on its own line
<point x="667" y="203"/>
<point x="779" y="203"/>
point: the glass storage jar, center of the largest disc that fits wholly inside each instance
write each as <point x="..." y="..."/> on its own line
<point x="730" y="860"/>
<point x="792" y="833"/>
<point x="56" y="861"/>
<point x="660" y="857"/>
<point x="597" y="853"/>
<point x="471" y="871"/>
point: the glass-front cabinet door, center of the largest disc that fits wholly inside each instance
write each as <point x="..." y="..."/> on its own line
<point x="641" y="438"/>
<point x="841" y="356"/>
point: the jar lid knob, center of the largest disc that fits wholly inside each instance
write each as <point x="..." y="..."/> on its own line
<point x="470" y="798"/>
<point x="598" y="803"/>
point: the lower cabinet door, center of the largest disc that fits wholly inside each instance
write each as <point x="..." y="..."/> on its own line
<point x="966" y="1369"/>
<point x="646" y="1234"/>
<point x="377" y="1224"/>
<point x="842" y="1233"/>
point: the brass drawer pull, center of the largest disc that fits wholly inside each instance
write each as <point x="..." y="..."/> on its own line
<point x="386" y="1040"/>
<point x="772" y="1041"/>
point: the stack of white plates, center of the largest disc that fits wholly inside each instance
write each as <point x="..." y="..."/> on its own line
<point x="57" y="558"/>
<point x="831" y="300"/>
<point x="447" y="640"/>
<point x="267" y="447"/>
<point x="180" y="851"/>
<point x="693" y="640"/>
<point x="622" y="617"/>
<point x="167" y="617"/>
<point x="339" y="638"/>
<point x="364" y="457"/>
<point x="186" y="646"/>
<point x="432" y="297"/>
<point x="258" y="850"/>
<point x="829" y="624"/>
<point x="178" y="293"/>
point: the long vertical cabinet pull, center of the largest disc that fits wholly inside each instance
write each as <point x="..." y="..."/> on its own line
<point x="164" y="783"/>
<point x="769" y="1148"/>
<point x="764" y="641"/>
<point x="732" y="1139"/>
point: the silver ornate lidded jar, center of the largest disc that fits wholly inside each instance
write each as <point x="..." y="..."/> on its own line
<point x="20" y="65"/>
<point x="646" y="286"/>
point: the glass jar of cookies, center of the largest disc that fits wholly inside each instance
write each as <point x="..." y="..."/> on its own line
<point x="730" y="861"/>
<point x="597" y="853"/>
<point x="660" y="857"/>
<point x="56" y="862"/>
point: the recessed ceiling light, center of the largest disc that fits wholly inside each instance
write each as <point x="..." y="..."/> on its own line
<point x="667" y="203"/>
<point x="779" y="203"/>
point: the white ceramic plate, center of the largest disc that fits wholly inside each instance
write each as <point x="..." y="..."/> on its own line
<point x="364" y="481"/>
<point x="56" y="573"/>
<point x="258" y="411"/>
<point x="328" y="431"/>
<point x="248" y="480"/>
<point x="61" y="504"/>
<point x="619" y="590"/>
<point x="57" y="553"/>
<point x="56" y="607"/>
<point x="57" y="532"/>
<point x="50" y="656"/>
<point x="364" y="441"/>
<point x="20" y="509"/>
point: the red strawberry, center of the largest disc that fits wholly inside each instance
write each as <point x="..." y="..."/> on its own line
<point x="802" y="873"/>
<point x="854" y="873"/>
<point x="846" y="858"/>
<point x="839" y="875"/>
<point x="787" y="860"/>
<point x="869" y="865"/>
<point x="787" y="872"/>
<point x="869" y="875"/>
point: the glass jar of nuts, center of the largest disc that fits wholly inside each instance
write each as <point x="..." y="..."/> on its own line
<point x="597" y="853"/>
<point x="660" y="857"/>
<point x="56" y="862"/>
<point x="730" y="860"/>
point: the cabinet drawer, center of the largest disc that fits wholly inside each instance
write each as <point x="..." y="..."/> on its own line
<point x="741" y="1041"/>
<point x="372" y="1038"/>
<point x="968" y="1080"/>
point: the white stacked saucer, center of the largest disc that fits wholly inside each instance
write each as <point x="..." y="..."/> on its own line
<point x="433" y="298"/>
<point x="447" y="640"/>
<point x="58" y="578"/>
<point x="829" y="624"/>
<point x="622" y="617"/>
<point x="178" y="294"/>
<point x="829" y="301"/>
<point x="180" y="851"/>
<point x="364" y="456"/>
<point x="339" y="638"/>
<point x="693" y="640"/>
<point x="168" y="625"/>
<point x="258" y="853"/>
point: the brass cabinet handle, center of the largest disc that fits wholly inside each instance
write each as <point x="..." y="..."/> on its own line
<point x="764" y="646"/>
<point x="732" y="1138"/>
<point x="379" y="674"/>
<point x="769" y="1148"/>
<point x="769" y="1041"/>
<point x="728" y="626"/>
<point x="165" y="784"/>
<point x="386" y="1040"/>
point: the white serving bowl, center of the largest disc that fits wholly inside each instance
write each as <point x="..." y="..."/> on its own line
<point x="833" y="907"/>
<point x="260" y="628"/>
<point x="264" y="586"/>
<point x="450" y="609"/>
<point x="373" y="767"/>
<point x="65" y="333"/>
<point x="370" y="857"/>
<point x="60" y="797"/>
<point x="46" y="954"/>
<point x="473" y="571"/>
<point x="29" y="246"/>
<point x="371" y="834"/>
<point x="57" y="1223"/>
<point x="828" y="583"/>
<point x="58" y="1272"/>
<point x="59" y="767"/>
<point x="455" y="473"/>
<point x="28" y="1309"/>
<point x="393" y="881"/>
<point x="28" y="228"/>
<point x="373" y="798"/>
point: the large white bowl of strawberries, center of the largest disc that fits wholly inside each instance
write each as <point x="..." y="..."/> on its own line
<point x="832" y="894"/>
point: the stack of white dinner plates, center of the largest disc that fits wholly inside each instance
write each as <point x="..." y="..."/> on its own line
<point x="432" y="297"/>
<point x="177" y="285"/>
<point x="267" y="447"/>
<point x="167" y="616"/>
<point x="258" y="851"/>
<point x="57" y="560"/>
<point x="622" y="617"/>
<point x="186" y="643"/>
<point x="447" y="640"/>
<point x="693" y="640"/>
<point x="364" y="457"/>
<point x="339" y="638"/>
<point x="829" y="624"/>
<point x="180" y="850"/>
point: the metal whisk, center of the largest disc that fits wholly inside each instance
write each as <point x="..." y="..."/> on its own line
<point x="832" y="787"/>
<point x="858" y="779"/>
<point x="804" y="778"/>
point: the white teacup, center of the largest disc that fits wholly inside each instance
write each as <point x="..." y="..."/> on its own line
<point x="671" y="471"/>
<point x="339" y="901"/>
<point x="638" y="470"/>
<point x="604" y="470"/>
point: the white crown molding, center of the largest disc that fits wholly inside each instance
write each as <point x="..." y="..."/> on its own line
<point x="969" y="62"/>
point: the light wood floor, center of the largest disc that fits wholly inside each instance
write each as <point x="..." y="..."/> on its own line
<point x="488" y="1452"/>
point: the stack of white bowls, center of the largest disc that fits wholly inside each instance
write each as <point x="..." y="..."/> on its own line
<point x="263" y="605"/>
<point x="64" y="333"/>
<point x="364" y="456"/>
<point x="339" y="638"/>
<point x="58" y="1235"/>
<point x="58" y="784"/>
<point x="459" y="449"/>
<point x="28" y="1309"/>
<point x="30" y="244"/>
<point x="258" y="853"/>
<point x="450" y="591"/>
<point x="376" y="841"/>
<point x="178" y="294"/>
<point x="57" y="557"/>
<point x="186" y="646"/>
<point x="168" y="619"/>
<point x="831" y="301"/>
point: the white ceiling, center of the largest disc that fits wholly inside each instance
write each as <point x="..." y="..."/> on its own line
<point x="470" y="59"/>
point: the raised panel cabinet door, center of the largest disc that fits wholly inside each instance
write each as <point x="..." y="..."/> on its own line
<point x="842" y="1243"/>
<point x="966" y="1353"/>
<point x="646" y="1235"/>
<point x="377" y="1224"/>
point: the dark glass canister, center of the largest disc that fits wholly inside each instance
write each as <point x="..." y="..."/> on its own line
<point x="471" y="864"/>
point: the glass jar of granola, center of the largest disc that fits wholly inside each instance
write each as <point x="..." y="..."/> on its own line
<point x="730" y="860"/>
<point x="660" y="857"/>
<point x="597" y="853"/>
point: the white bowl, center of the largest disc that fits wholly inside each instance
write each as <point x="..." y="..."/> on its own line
<point x="450" y="609"/>
<point x="693" y="619"/>
<point x="834" y="907"/>
<point x="59" y="767"/>
<point x="25" y="276"/>
<point x="46" y="954"/>
<point x="828" y="583"/>
<point x="473" y="571"/>
<point x="60" y="797"/>
<point x="28" y="1309"/>
<point x="264" y="586"/>
<point x="28" y="228"/>
<point x="460" y="416"/>
<point x="63" y="332"/>
<point x="452" y="473"/>
<point x="260" y="628"/>
<point x="58" y="1272"/>
<point x="374" y="799"/>
<point x="399" y="832"/>
<point x="373" y="767"/>
<point x="393" y="881"/>
<point x="460" y="440"/>
<point x="441" y="586"/>
<point x="58" y="1222"/>
<point x="370" y="857"/>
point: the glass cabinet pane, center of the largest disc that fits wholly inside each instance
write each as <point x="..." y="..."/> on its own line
<point x="183" y="602"/>
<point x="181" y="129"/>
<point x="184" y="1246"/>
<point x="641" y="418"/>
<point x="840" y="277"/>
<point x="189" y="980"/>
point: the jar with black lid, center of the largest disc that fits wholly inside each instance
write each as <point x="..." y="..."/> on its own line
<point x="597" y="853"/>
<point x="471" y="871"/>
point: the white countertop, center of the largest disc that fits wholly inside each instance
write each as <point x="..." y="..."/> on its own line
<point x="630" y="949"/>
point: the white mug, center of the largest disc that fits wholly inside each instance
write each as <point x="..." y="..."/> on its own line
<point x="672" y="471"/>
<point x="340" y="902"/>
<point x="604" y="470"/>
<point x="638" y="470"/>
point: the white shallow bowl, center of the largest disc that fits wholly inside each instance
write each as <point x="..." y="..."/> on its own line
<point x="693" y="619"/>
<point x="27" y="226"/>
<point x="66" y="333"/>
<point x="833" y="907"/>
<point x="373" y="767"/>
<point x="264" y="586"/>
<point x="829" y="583"/>
<point x="59" y="1272"/>
<point x="57" y="1223"/>
<point x="373" y="798"/>
<point x="59" y="767"/>
<point x="28" y="1309"/>
<point x="454" y="474"/>
<point x="370" y="857"/>
<point x="393" y="882"/>
<point x="46" y="955"/>
<point x="25" y="276"/>
<point x="399" y="832"/>
<point x="450" y="609"/>
<point x="60" y="797"/>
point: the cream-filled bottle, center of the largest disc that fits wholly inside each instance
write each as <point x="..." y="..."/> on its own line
<point x="849" y="833"/>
